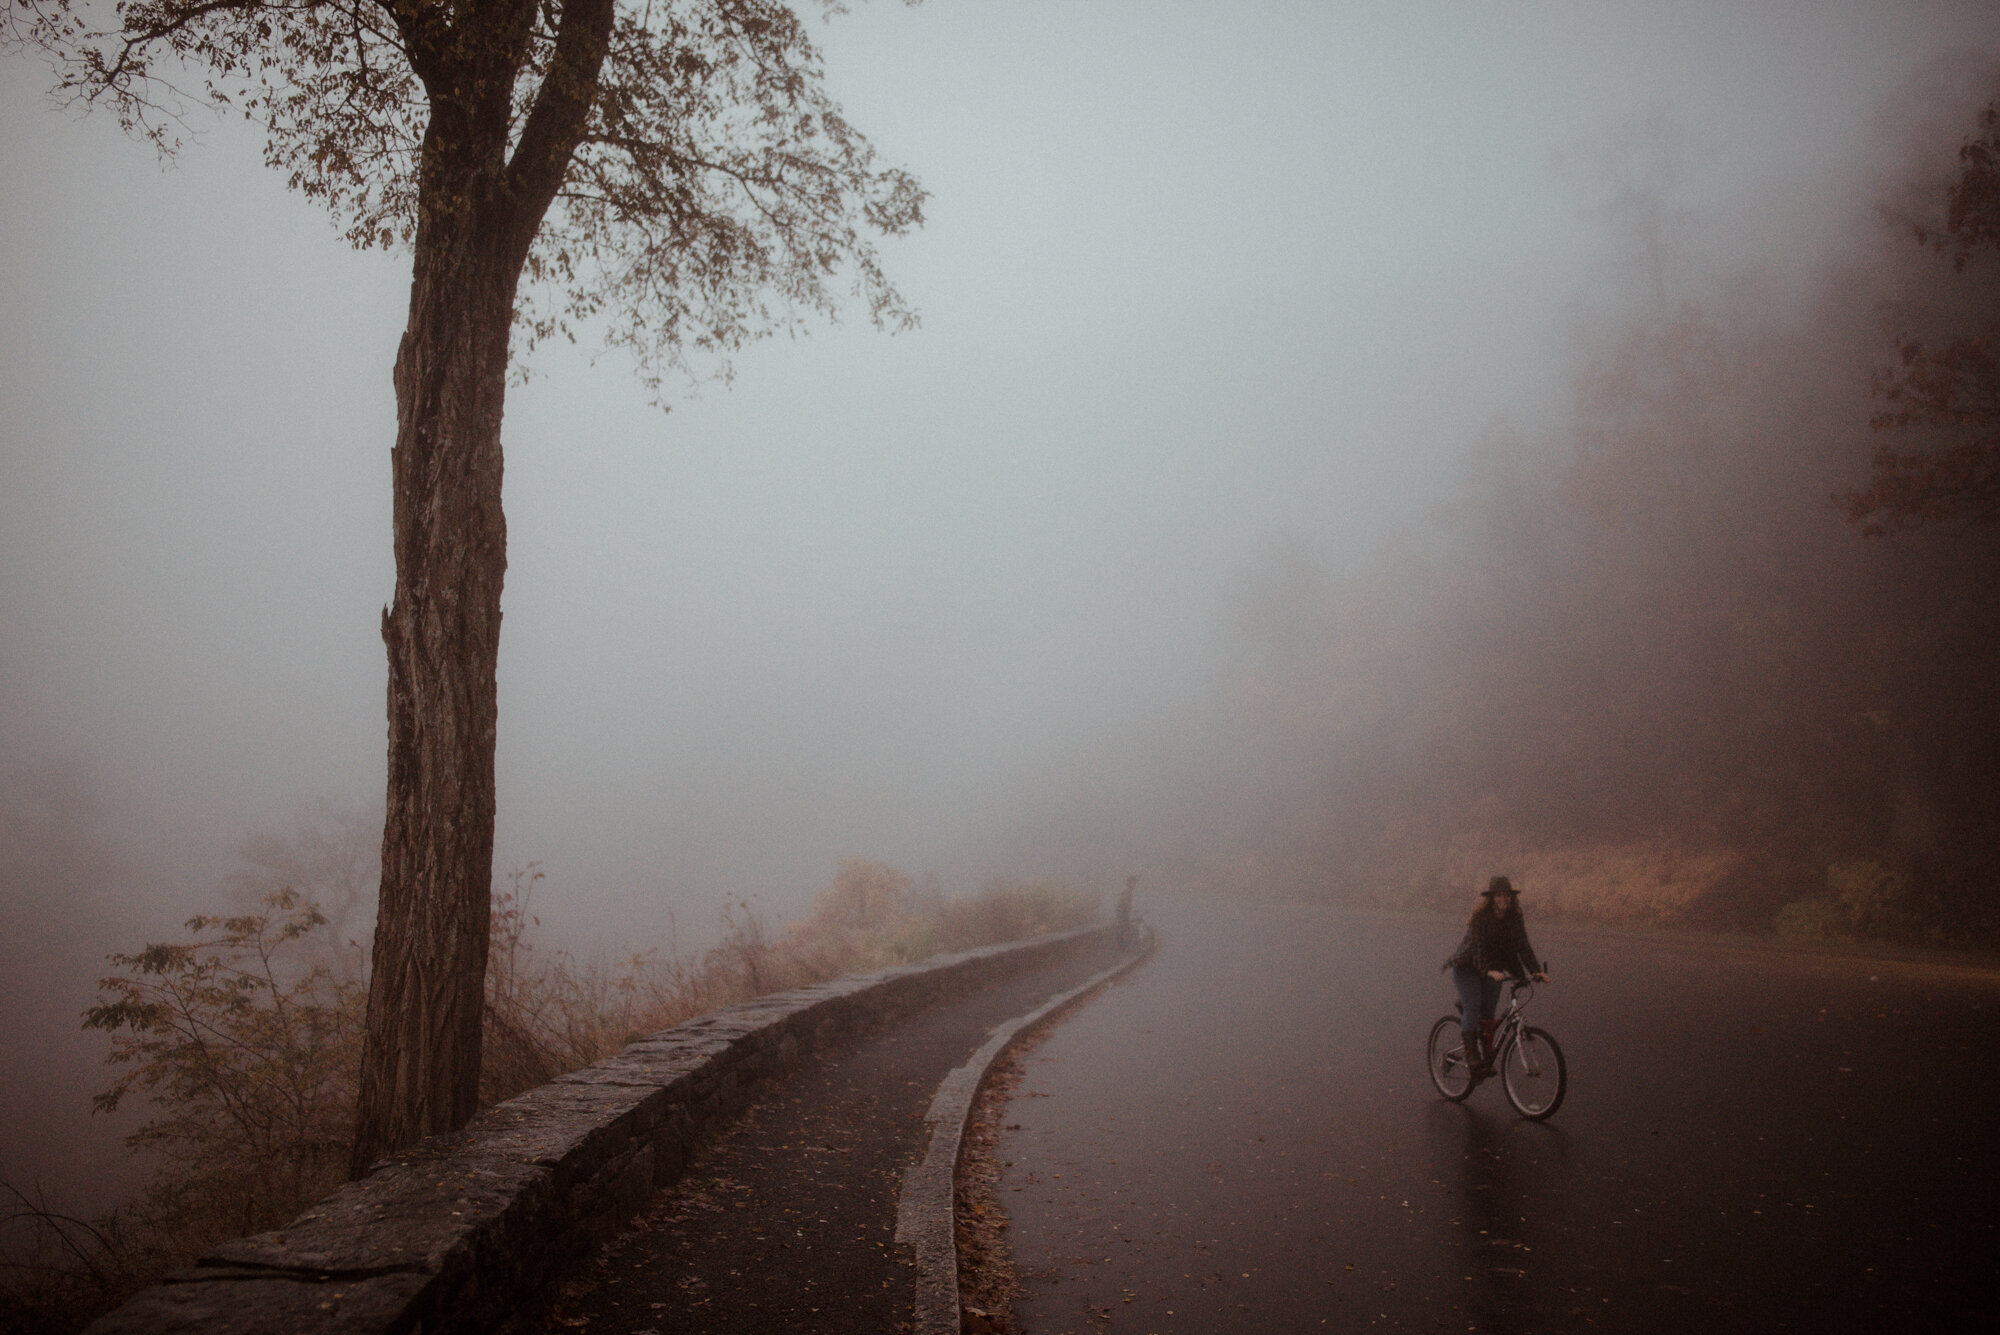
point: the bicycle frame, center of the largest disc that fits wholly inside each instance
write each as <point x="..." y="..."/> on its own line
<point x="1509" y="1020"/>
<point x="1528" y="1060"/>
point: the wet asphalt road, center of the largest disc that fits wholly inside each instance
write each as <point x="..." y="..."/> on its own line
<point x="1241" y="1137"/>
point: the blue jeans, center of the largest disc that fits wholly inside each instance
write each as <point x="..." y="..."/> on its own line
<point x="1478" y="998"/>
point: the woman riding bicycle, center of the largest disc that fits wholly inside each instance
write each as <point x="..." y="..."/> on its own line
<point x="1495" y="949"/>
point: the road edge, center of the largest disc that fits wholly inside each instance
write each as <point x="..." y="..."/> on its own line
<point x="925" y="1205"/>
<point x="470" y="1231"/>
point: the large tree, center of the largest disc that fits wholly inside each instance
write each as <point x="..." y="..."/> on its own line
<point x="671" y="172"/>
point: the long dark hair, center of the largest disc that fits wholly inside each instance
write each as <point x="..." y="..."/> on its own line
<point x="1499" y="885"/>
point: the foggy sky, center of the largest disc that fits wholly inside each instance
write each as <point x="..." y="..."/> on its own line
<point x="1196" y="281"/>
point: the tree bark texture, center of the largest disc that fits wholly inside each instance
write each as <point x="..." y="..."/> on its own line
<point x="477" y="215"/>
<point x="426" y="990"/>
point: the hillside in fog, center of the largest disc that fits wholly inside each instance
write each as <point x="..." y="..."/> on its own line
<point x="1645" y="660"/>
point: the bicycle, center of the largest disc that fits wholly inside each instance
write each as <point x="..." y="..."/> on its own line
<point x="1530" y="1063"/>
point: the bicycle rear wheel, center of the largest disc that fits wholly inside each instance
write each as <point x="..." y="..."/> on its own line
<point x="1533" y="1074"/>
<point x="1450" y="1072"/>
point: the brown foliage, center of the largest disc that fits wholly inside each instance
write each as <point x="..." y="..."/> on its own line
<point x="245" y="1045"/>
<point x="673" y="175"/>
<point x="1942" y="463"/>
<point x="705" y="189"/>
<point x="1641" y="665"/>
<point x="247" y="1063"/>
<point x="988" y="1281"/>
<point x="1948" y="394"/>
<point x="554" y="1014"/>
<point x="245" y="1050"/>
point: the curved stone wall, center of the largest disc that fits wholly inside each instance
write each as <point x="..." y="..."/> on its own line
<point x="466" y="1232"/>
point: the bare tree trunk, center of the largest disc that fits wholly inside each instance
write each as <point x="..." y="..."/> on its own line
<point x="477" y="215"/>
<point x="426" y="992"/>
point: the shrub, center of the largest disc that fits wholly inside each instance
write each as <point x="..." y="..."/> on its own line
<point x="248" y="1057"/>
<point x="1863" y="901"/>
<point x="251" y="1071"/>
<point x="247" y="1043"/>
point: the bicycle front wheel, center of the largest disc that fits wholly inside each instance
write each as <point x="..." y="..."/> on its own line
<point x="1450" y="1072"/>
<point x="1533" y="1074"/>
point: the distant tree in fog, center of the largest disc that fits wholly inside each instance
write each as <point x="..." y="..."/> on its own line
<point x="331" y="855"/>
<point x="1972" y="204"/>
<point x="1637" y="663"/>
<point x="672" y="172"/>
<point x="1943" y="392"/>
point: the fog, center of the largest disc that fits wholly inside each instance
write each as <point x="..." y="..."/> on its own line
<point x="1265" y="447"/>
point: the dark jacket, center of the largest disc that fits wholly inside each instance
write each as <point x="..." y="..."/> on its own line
<point x="1493" y="942"/>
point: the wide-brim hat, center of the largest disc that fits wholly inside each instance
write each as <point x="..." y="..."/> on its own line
<point x="1499" y="885"/>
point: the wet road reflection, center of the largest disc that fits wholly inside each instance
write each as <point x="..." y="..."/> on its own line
<point x="1754" y="1140"/>
<point x="1507" y="1172"/>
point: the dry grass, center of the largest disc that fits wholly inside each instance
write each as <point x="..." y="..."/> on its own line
<point x="547" y="1015"/>
<point x="245" y="1042"/>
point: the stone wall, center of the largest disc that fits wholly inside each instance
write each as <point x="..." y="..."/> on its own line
<point x="467" y="1232"/>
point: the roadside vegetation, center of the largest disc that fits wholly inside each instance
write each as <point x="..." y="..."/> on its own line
<point x="1713" y="648"/>
<point x="244" y="1039"/>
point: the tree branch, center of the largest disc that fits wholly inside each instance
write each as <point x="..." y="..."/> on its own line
<point x="560" y="114"/>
